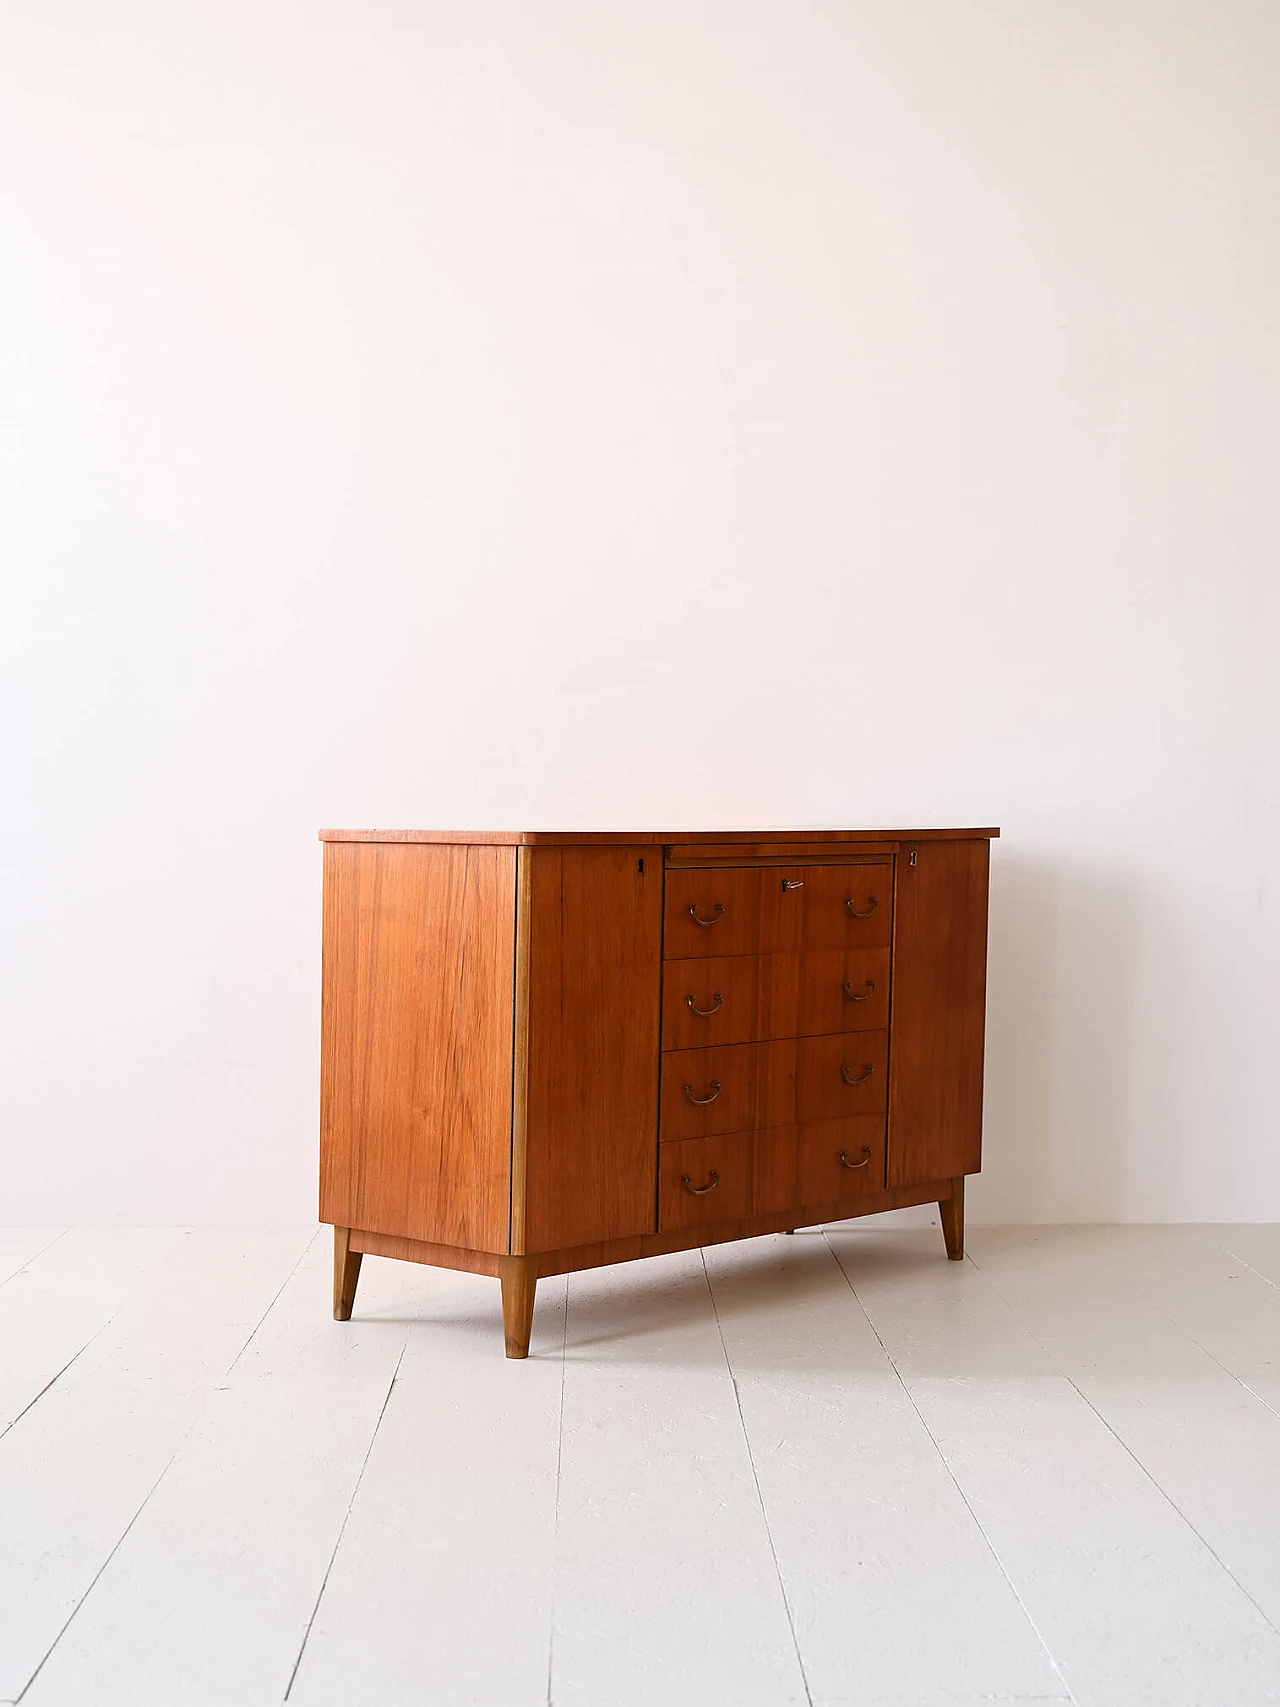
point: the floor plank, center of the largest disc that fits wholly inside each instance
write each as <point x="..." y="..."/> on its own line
<point x="893" y="1587"/>
<point x="441" y="1587"/>
<point x="1133" y="1604"/>
<point x="207" y="1599"/>
<point x="77" y="1468"/>
<point x="666" y="1591"/>
<point x="1258" y="1245"/>
<point x="62" y="1297"/>
<point x="21" y="1245"/>
<point x="1224" y="1304"/>
<point x="1166" y="1398"/>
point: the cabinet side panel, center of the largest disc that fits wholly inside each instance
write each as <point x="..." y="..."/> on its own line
<point x="415" y="1099"/>
<point x="594" y="1001"/>
<point x="939" y="1012"/>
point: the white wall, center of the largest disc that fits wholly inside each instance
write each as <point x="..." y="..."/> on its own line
<point x="639" y="412"/>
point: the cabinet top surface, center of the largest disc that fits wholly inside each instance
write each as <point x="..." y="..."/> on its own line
<point x="649" y="838"/>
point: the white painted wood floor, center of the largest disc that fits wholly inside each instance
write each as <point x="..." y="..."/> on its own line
<point x="833" y="1468"/>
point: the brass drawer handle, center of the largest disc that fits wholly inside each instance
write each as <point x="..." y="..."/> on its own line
<point x="706" y="1013"/>
<point x="866" y="1073"/>
<point x="866" y="1157"/>
<point x="853" y="997"/>
<point x="701" y="1102"/>
<point x="713" y="1180"/>
<point x="706" y="923"/>
<point x="853" y="911"/>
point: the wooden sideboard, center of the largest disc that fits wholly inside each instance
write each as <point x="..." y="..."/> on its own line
<point x="543" y="1052"/>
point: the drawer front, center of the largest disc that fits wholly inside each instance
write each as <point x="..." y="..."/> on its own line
<point x="752" y="998"/>
<point x="706" y="1091"/>
<point x="807" y="1079"/>
<point x="703" y="1180"/>
<point x="711" y="912"/>
<point x="840" y="1160"/>
<point x="776" y="909"/>
<point x="840" y="906"/>
<point x="819" y="1165"/>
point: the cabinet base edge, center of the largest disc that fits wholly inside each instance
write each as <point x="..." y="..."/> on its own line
<point x="749" y="1227"/>
<point x="418" y="1250"/>
<point x="574" y="1257"/>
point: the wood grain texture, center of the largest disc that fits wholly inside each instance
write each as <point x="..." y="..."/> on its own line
<point x="346" y="1274"/>
<point x="939" y="1012"/>
<point x="520" y="1053"/>
<point x="416" y="1040"/>
<point x="419" y="1250"/>
<point x="732" y="1068"/>
<point x="726" y="899"/>
<point x="783" y="1083"/>
<point x="775" y="1178"/>
<point x="571" y="1260"/>
<point x="838" y="906"/>
<point x="646" y="838"/>
<point x="773" y="995"/>
<point x="951" y="1210"/>
<point x="680" y="855"/>
<point x="802" y="1163"/>
<point x="519" y="1280"/>
<point x="705" y="1179"/>
<point x="595" y="968"/>
<point x="823" y="1173"/>
<point x="788" y="907"/>
<point x="804" y="1079"/>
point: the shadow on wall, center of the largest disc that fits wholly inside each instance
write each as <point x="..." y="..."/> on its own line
<point x="1062" y="975"/>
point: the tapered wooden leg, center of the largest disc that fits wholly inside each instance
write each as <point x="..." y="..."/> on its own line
<point x="952" y="1212"/>
<point x="346" y="1272"/>
<point x="519" y="1277"/>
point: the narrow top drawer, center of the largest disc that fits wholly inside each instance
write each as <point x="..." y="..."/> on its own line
<point x="776" y="909"/>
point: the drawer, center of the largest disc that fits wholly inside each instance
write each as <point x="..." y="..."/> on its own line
<point x="752" y="998"/>
<point x="839" y="1160"/>
<point x="806" y="1079"/>
<point x="705" y="1091"/>
<point x="776" y="909"/>
<point x="703" y="1180"/>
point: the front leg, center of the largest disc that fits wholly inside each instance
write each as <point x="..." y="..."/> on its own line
<point x="346" y="1273"/>
<point x="952" y="1212"/>
<point x="519" y="1277"/>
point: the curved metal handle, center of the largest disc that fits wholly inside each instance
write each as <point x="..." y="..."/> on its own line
<point x="706" y="923"/>
<point x="853" y="911"/>
<point x="866" y="1073"/>
<point x="713" y="1180"/>
<point x="866" y="1157"/>
<point x="717" y="999"/>
<point x="793" y="883"/>
<point x="701" y="1102"/>
<point x="870" y="991"/>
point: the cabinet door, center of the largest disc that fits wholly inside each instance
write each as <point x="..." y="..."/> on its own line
<point x="939" y="1012"/>
<point x="415" y="1101"/>
<point x="586" y="1138"/>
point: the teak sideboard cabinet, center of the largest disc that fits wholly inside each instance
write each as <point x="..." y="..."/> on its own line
<point x="543" y="1052"/>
